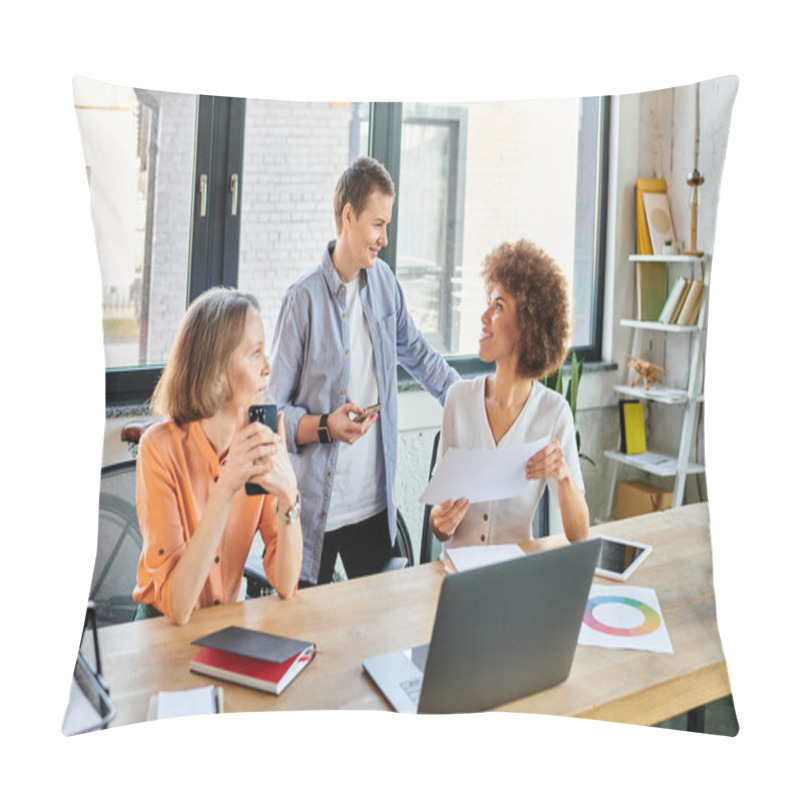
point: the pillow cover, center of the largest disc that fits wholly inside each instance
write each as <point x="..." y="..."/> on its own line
<point x="192" y="191"/>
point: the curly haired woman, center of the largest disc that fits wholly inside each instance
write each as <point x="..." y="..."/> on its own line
<point x="525" y="331"/>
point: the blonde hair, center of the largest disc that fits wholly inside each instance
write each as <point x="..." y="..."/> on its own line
<point x="357" y="183"/>
<point x="194" y="384"/>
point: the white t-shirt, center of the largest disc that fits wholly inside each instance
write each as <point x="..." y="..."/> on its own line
<point x="358" y="483"/>
<point x="546" y="414"/>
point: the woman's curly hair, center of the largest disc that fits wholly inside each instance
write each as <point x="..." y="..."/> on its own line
<point x="543" y="309"/>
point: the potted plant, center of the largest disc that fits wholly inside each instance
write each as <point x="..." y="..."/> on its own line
<point x="555" y="382"/>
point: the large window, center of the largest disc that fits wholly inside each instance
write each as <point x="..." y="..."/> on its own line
<point x="139" y="152"/>
<point x="293" y="155"/>
<point x="475" y="174"/>
<point x="194" y="191"/>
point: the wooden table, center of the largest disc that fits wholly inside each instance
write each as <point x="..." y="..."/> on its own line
<point x="352" y="620"/>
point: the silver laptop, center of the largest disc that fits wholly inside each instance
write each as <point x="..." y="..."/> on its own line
<point x="501" y="632"/>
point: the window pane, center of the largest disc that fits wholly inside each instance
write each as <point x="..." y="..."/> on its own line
<point x="424" y="250"/>
<point x="473" y="175"/>
<point x="294" y="153"/>
<point x="139" y="150"/>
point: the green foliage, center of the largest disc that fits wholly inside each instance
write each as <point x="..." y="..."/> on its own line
<point x="555" y="381"/>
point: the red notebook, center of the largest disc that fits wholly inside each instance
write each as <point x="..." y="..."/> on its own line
<point x="253" y="672"/>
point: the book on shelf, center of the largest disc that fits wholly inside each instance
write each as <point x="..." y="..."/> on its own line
<point x="631" y="427"/>
<point x="659" y="220"/>
<point x="651" y="289"/>
<point x="690" y="309"/>
<point x="251" y="658"/>
<point x="644" y="245"/>
<point x="674" y="302"/>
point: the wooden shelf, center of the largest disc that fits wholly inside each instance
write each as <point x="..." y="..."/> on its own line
<point x="688" y="399"/>
<point x="654" y="463"/>
<point x="658" y="394"/>
<point x="654" y="325"/>
<point x="676" y="259"/>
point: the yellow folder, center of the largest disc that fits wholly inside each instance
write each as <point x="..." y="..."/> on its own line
<point x="632" y="419"/>
<point x="644" y="246"/>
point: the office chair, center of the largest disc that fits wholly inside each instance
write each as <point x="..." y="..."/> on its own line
<point x="426" y="542"/>
<point x="402" y="543"/>
<point x="540" y="527"/>
<point x="119" y="545"/>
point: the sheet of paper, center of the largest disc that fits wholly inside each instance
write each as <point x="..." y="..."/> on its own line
<point x="480" y="475"/>
<point x="464" y="558"/>
<point x="188" y="702"/>
<point x="624" y="618"/>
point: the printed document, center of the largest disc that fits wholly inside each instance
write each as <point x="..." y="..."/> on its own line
<point x="480" y="475"/>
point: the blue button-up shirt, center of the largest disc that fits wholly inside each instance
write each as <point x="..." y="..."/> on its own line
<point x="310" y="375"/>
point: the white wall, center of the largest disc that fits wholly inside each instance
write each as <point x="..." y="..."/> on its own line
<point x="667" y="123"/>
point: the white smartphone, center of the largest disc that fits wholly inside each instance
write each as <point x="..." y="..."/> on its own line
<point x="619" y="558"/>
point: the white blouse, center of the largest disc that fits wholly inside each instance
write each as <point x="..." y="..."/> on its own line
<point x="546" y="414"/>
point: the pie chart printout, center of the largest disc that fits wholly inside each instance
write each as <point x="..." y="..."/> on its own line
<point x="627" y="618"/>
<point x="650" y="618"/>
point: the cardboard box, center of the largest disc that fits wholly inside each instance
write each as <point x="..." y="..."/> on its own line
<point x="639" y="497"/>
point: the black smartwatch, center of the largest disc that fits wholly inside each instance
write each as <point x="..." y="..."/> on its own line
<point x="322" y="430"/>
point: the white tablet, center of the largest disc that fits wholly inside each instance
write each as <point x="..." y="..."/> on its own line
<point x="619" y="558"/>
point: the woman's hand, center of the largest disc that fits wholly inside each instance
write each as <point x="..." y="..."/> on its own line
<point x="549" y="462"/>
<point x="258" y="455"/>
<point x="251" y="446"/>
<point x="273" y="469"/>
<point x="343" y="428"/>
<point x="446" y="517"/>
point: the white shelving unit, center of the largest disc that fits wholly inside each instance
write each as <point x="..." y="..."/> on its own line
<point x="676" y="464"/>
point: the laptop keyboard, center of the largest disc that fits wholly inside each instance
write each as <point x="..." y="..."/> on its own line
<point x="412" y="688"/>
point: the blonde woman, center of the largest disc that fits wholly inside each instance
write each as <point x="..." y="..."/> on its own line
<point x="525" y="332"/>
<point x="196" y="519"/>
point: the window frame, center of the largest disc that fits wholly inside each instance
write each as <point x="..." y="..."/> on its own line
<point x="467" y="365"/>
<point x="214" y="240"/>
<point x="593" y="351"/>
<point x="454" y="120"/>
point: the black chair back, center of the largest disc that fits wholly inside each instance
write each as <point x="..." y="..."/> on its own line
<point x="426" y="542"/>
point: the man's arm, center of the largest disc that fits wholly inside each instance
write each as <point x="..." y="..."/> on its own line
<point x="286" y="361"/>
<point x="341" y="427"/>
<point x="414" y="353"/>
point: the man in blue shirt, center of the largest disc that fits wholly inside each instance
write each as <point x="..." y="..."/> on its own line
<point x="341" y="330"/>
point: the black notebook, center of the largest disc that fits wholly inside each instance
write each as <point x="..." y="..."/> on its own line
<point x="251" y="658"/>
<point x="253" y="644"/>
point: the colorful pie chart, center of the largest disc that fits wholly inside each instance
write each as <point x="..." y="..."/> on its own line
<point x="650" y="623"/>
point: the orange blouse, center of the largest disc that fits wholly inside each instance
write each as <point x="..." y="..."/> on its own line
<point x="175" y="473"/>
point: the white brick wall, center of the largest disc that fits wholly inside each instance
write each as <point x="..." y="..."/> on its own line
<point x="172" y="221"/>
<point x="293" y="155"/>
